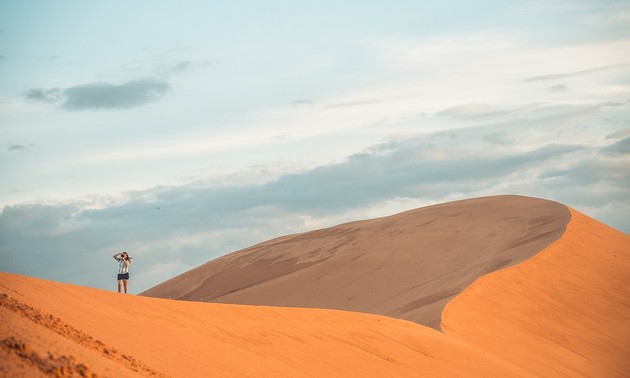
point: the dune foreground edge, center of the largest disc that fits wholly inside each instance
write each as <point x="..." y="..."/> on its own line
<point x="564" y="311"/>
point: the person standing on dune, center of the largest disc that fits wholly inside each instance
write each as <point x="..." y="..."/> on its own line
<point x="123" y="270"/>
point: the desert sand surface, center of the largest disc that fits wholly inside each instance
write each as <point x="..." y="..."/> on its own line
<point x="407" y="266"/>
<point x="563" y="312"/>
<point x="110" y="334"/>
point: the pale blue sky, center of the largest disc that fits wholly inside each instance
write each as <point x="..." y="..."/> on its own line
<point x="241" y="121"/>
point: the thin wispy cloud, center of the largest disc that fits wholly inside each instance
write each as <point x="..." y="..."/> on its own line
<point x="558" y="88"/>
<point x="568" y="75"/>
<point x="19" y="147"/>
<point x="468" y="111"/>
<point x="170" y="70"/>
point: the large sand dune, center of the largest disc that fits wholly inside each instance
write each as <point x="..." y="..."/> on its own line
<point x="564" y="312"/>
<point x="407" y="265"/>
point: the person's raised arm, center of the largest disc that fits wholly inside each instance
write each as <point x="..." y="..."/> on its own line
<point x="116" y="256"/>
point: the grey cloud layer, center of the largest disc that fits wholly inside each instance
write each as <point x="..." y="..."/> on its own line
<point x="101" y="95"/>
<point x="172" y="229"/>
<point x="621" y="147"/>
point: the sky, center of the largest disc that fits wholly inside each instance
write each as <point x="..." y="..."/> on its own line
<point x="183" y="131"/>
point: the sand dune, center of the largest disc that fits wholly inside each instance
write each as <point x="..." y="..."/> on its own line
<point x="116" y="335"/>
<point x="407" y="265"/>
<point x="563" y="312"/>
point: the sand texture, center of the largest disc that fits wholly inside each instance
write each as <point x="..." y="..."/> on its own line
<point x="563" y="312"/>
<point x="111" y="334"/>
<point x="407" y="266"/>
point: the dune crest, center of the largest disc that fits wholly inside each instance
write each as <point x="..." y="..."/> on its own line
<point x="565" y="312"/>
<point x="407" y="265"/>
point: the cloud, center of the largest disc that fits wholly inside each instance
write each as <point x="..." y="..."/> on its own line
<point x="102" y="95"/>
<point x="350" y="104"/>
<point x="539" y="112"/>
<point x="44" y="95"/>
<point x="497" y="138"/>
<point x="578" y="73"/>
<point x="111" y="96"/>
<point x="107" y="95"/>
<point x="619" y="134"/>
<point x="302" y="104"/>
<point x="467" y="111"/>
<point x="621" y="147"/>
<point x="19" y="148"/>
<point x="181" y="67"/>
<point x="558" y="88"/>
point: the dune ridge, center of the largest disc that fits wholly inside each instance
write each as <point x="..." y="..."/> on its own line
<point x="407" y="265"/>
<point x="571" y="301"/>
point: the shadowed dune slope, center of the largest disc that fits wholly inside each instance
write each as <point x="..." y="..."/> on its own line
<point x="406" y="266"/>
<point x="565" y="312"/>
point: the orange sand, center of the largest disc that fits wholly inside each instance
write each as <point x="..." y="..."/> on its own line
<point x="190" y="339"/>
<point x="564" y="312"/>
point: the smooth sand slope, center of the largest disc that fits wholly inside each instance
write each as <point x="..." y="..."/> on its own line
<point x="109" y="334"/>
<point x="565" y="312"/>
<point x="406" y="266"/>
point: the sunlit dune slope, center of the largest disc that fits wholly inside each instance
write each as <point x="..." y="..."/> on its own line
<point x="565" y="312"/>
<point x="408" y="265"/>
<point x="111" y="334"/>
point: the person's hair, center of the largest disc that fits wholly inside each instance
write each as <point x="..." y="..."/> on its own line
<point x="125" y="256"/>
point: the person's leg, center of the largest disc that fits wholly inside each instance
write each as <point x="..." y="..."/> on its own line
<point x="119" y="285"/>
<point x="125" y="283"/>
